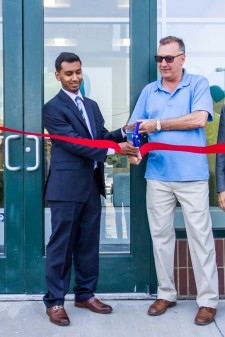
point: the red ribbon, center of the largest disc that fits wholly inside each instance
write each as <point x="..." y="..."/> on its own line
<point x="103" y="144"/>
<point x="210" y="149"/>
<point x="106" y="144"/>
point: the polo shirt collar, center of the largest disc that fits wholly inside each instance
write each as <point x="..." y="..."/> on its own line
<point x="186" y="80"/>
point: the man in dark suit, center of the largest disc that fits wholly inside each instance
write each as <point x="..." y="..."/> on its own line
<point x="73" y="188"/>
<point x="220" y="163"/>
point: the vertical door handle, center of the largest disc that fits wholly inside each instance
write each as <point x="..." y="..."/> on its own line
<point x="7" y="165"/>
<point x="37" y="153"/>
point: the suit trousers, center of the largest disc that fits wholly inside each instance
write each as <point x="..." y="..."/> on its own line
<point x="193" y="197"/>
<point x="74" y="240"/>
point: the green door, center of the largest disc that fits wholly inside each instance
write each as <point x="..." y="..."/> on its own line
<point x="35" y="32"/>
<point x="21" y="244"/>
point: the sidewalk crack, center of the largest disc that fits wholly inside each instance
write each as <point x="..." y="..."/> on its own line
<point x="222" y="335"/>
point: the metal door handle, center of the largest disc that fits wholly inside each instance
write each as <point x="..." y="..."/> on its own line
<point x="37" y="156"/>
<point x="7" y="165"/>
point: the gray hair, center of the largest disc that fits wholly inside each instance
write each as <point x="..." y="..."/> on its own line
<point x="170" y="39"/>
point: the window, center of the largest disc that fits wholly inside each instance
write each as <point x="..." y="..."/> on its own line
<point x="202" y="30"/>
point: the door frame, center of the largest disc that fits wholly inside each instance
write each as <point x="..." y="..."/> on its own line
<point x="34" y="181"/>
<point x="135" y="272"/>
<point x="11" y="262"/>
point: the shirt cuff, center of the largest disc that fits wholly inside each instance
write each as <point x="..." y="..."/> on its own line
<point x="123" y="133"/>
<point x="110" y="151"/>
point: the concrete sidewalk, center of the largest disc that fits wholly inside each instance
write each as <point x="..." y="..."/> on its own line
<point x="27" y="318"/>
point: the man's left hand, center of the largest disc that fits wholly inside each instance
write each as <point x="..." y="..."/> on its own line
<point x="147" y="126"/>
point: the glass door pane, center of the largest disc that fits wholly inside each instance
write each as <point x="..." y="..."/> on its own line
<point x="100" y="36"/>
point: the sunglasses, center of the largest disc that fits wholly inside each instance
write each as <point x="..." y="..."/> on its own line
<point x="168" y="58"/>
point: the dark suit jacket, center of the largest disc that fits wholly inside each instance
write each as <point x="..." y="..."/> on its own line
<point x="220" y="158"/>
<point x="71" y="168"/>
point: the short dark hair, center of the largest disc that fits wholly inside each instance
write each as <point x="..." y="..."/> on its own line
<point x="169" y="39"/>
<point x="66" y="57"/>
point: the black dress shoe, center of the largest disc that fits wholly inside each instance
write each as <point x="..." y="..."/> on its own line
<point x="58" y="315"/>
<point x="94" y="305"/>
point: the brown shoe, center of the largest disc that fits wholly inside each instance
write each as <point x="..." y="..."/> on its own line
<point x="205" y="315"/>
<point x="159" y="307"/>
<point x="94" y="305"/>
<point x="58" y="315"/>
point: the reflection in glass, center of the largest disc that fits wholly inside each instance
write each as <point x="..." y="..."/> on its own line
<point x="115" y="222"/>
<point x="100" y="36"/>
<point x="203" y="8"/>
<point x="1" y="141"/>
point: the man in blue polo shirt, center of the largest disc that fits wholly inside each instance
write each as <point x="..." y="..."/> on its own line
<point x="174" y="110"/>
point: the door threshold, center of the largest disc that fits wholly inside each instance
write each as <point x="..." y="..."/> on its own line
<point x="70" y="297"/>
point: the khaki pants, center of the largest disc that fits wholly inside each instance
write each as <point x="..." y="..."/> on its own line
<point x="194" y="199"/>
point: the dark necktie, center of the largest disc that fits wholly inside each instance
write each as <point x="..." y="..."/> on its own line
<point x="78" y="102"/>
<point x="79" y="105"/>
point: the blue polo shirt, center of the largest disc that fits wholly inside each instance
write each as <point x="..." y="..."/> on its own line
<point x="155" y="102"/>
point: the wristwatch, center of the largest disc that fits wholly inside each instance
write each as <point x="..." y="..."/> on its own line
<point x="158" y="125"/>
